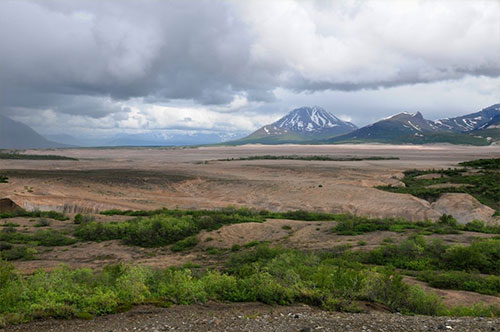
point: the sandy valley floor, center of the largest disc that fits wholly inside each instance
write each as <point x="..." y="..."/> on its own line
<point x="147" y="178"/>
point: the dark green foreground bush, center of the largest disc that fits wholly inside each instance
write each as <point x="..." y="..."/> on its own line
<point x="460" y="280"/>
<point x="415" y="253"/>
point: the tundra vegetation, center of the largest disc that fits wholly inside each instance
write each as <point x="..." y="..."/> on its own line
<point x="22" y="156"/>
<point x="333" y="279"/>
<point x="479" y="178"/>
<point x="309" y="158"/>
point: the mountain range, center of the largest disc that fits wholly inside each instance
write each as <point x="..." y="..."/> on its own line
<point x="479" y="128"/>
<point x="311" y="125"/>
<point x="315" y="125"/>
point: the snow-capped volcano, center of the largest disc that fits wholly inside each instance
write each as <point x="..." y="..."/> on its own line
<point x="304" y="123"/>
<point x="310" y="119"/>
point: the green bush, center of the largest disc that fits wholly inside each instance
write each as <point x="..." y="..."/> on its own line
<point x="480" y="255"/>
<point x="41" y="237"/>
<point x="448" y="220"/>
<point x="18" y="253"/>
<point x="50" y="238"/>
<point x="159" y="229"/>
<point x="5" y="245"/>
<point x="389" y="288"/>
<point x="355" y="225"/>
<point x="185" y="244"/>
<point x="415" y="253"/>
<point x="460" y="280"/>
<point x="82" y="219"/>
<point x="42" y="222"/>
<point x="34" y="214"/>
<point x="480" y="226"/>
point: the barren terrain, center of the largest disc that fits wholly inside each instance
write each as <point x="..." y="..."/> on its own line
<point x="147" y="178"/>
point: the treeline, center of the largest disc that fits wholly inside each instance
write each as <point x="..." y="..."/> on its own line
<point x="310" y="158"/>
<point x="23" y="156"/>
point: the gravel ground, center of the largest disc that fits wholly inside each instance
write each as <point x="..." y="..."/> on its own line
<point x="256" y="317"/>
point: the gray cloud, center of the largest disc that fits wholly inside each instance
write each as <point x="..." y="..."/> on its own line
<point x="87" y="57"/>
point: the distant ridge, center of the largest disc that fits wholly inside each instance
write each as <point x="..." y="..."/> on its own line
<point x="414" y="128"/>
<point x="17" y="135"/>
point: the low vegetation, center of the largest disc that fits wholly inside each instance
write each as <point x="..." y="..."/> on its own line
<point x="230" y="213"/>
<point x="418" y="254"/>
<point x="161" y="229"/>
<point x="22" y="156"/>
<point x="479" y="178"/>
<point x="308" y="158"/>
<point x="34" y="214"/>
<point x="354" y="225"/>
<point x="338" y="278"/>
<point x="267" y="274"/>
<point x="461" y="280"/>
<point x="16" y="245"/>
<point x="44" y="237"/>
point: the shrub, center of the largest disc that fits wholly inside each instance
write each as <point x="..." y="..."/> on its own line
<point x="5" y="245"/>
<point x="41" y="237"/>
<point x="480" y="226"/>
<point x="34" y="214"/>
<point x="448" y="220"/>
<point x="481" y="255"/>
<point x="82" y="219"/>
<point x="42" y="222"/>
<point x="389" y="288"/>
<point x="161" y="229"/>
<point x="51" y="238"/>
<point x="185" y="244"/>
<point x="78" y="218"/>
<point x="18" y="253"/>
<point x="460" y="280"/>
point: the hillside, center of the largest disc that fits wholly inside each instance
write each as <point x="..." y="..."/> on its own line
<point x="17" y="135"/>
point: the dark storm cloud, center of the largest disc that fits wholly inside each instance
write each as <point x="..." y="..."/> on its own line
<point x="77" y="57"/>
<point x="173" y="50"/>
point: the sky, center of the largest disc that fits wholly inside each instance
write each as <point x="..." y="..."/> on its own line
<point x="98" y="68"/>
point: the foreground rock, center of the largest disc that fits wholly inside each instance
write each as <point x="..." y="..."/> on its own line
<point x="463" y="207"/>
<point x="250" y="317"/>
<point x="7" y="205"/>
